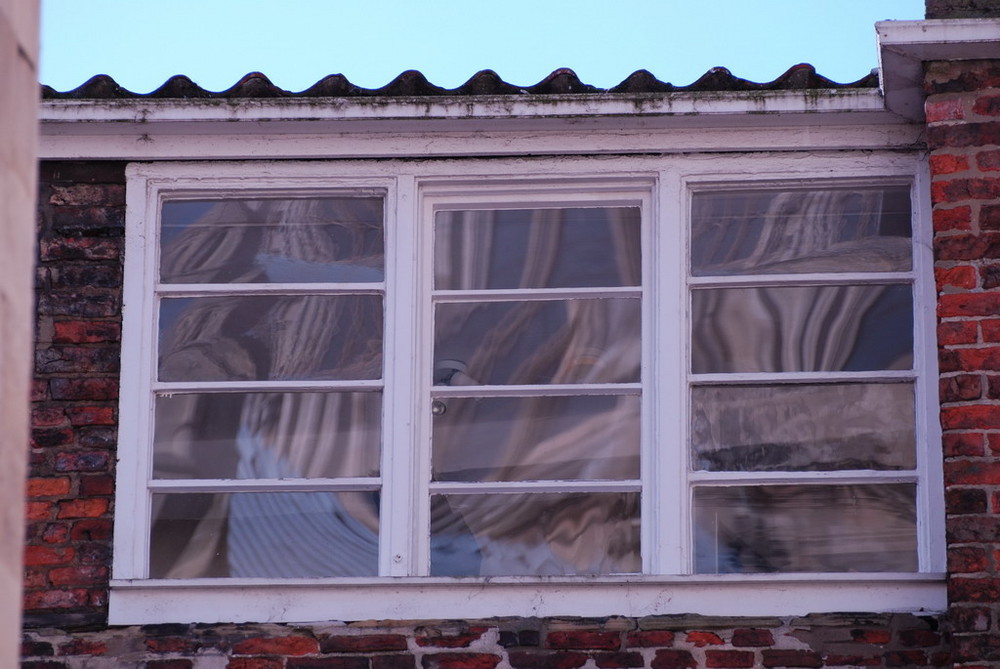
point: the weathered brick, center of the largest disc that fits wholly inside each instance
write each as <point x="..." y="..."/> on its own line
<point x="871" y="636"/>
<point x="752" y="637"/>
<point x="673" y="659"/>
<point x="364" y="643"/>
<point x="583" y="640"/>
<point x="618" y="660"/>
<point x="649" y="638"/>
<point x="55" y="533"/>
<point x="83" y="508"/>
<point x="960" y="388"/>
<point x="969" y="304"/>
<point x="972" y="472"/>
<point x="47" y="555"/>
<point x="52" y="438"/>
<point x="988" y="161"/>
<point x="171" y="645"/>
<point x="80" y="304"/>
<point x="962" y="135"/>
<point x="971" y="618"/>
<point x="48" y="417"/>
<point x="63" y="359"/>
<point x="944" y="110"/>
<point x="176" y="663"/>
<point x="540" y="659"/>
<point x="96" y="485"/>
<point x="44" y="487"/>
<point x="80" y="248"/>
<point x="791" y="658"/>
<point x="918" y="638"/>
<point x="343" y="662"/>
<point x="87" y="461"/>
<point x="255" y="663"/>
<point x="85" y="276"/>
<point x="85" y="332"/>
<point x="989" y="217"/>
<point x="94" y="415"/>
<point x="729" y="658"/>
<point x="83" y="575"/>
<point x="960" y="501"/>
<point x="972" y="529"/>
<point x="394" y="661"/>
<point x="459" y="661"/>
<point x="83" y="647"/>
<point x="966" y="560"/>
<point x="84" y="389"/>
<point x="456" y="639"/>
<point x="947" y="163"/>
<point x="36" y="649"/>
<point x="973" y="589"/>
<point x="281" y="645"/>
<point x="960" y="276"/>
<point x="951" y="333"/>
<point x="87" y="194"/>
<point x="952" y="218"/>
<point x="55" y="599"/>
<point x="987" y="105"/>
<point x="88" y="221"/>
<point x="989" y="276"/>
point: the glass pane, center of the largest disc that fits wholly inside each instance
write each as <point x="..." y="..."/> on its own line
<point x="538" y="342"/>
<point x="534" y="534"/>
<point x="795" y="231"/>
<point x="261" y="337"/>
<point x="264" y="535"/>
<point x="537" y="248"/>
<point x="267" y="435"/>
<point x="330" y="239"/>
<point x="803" y="427"/>
<point x="802" y="328"/>
<point x="535" y="438"/>
<point x="805" y="528"/>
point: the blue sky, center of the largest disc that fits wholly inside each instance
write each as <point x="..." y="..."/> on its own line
<point x="295" y="43"/>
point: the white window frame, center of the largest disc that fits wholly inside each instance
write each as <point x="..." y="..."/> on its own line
<point x="662" y="187"/>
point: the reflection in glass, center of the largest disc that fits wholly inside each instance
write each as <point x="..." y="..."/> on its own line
<point x="267" y="435"/>
<point x="537" y="438"/>
<point x="537" y="248"/>
<point x="264" y="337"/>
<point x="803" y="427"/>
<point x="537" y="342"/>
<point x="535" y="534"/>
<point x="301" y="240"/>
<point x="805" y="528"/>
<point x="264" y="535"/>
<point x="795" y="231"/>
<point x="802" y="328"/>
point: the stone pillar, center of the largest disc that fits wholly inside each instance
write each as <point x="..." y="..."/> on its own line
<point x="18" y="141"/>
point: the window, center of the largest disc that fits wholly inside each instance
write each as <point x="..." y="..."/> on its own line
<point x="524" y="388"/>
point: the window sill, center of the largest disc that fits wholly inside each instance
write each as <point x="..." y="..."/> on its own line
<point x="304" y="600"/>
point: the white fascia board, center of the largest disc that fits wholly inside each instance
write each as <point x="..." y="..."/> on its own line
<point x="904" y="46"/>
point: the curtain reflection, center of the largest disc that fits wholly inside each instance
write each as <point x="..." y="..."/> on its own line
<point x="261" y="435"/>
<point x="585" y="340"/>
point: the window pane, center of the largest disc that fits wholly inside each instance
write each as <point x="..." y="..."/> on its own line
<point x="264" y="535"/>
<point x="537" y="248"/>
<point x="535" y="438"/>
<point x="534" y="534"/>
<point x="805" y="528"/>
<point x="267" y="435"/>
<point x="795" y="231"/>
<point x="803" y="427"/>
<point x="332" y="239"/>
<point x="537" y="342"/>
<point x="802" y="328"/>
<point x="257" y="337"/>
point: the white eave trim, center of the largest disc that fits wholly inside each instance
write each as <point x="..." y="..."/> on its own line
<point x="904" y="46"/>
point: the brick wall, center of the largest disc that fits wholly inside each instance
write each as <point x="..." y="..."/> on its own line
<point x="81" y="215"/>
<point x="963" y="117"/>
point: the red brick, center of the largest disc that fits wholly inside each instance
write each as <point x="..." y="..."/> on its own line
<point x="993" y="441"/>
<point x="989" y="217"/>
<point x="969" y="359"/>
<point x="960" y="276"/>
<point x="701" y="639"/>
<point x="583" y="640"/>
<point x="961" y="135"/>
<point x="85" y="332"/>
<point x="752" y="637"/>
<point x="969" y="304"/>
<point x="55" y="599"/>
<point x="171" y="645"/>
<point x="39" y="510"/>
<point x="649" y="638"/>
<point x="946" y="163"/>
<point x="83" y="508"/>
<point x="281" y="645"/>
<point x="253" y="663"/>
<point x="988" y="161"/>
<point x="729" y="658"/>
<point x="460" y="661"/>
<point x="96" y="485"/>
<point x="951" y="333"/>
<point x="987" y="105"/>
<point x="673" y="659"/>
<point x="963" y="443"/>
<point x="48" y="417"/>
<point x="953" y="218"/>
<point x="363" y="643"/>
<point x="960" y="388"/>
<point x="80" y="248"/>
<point x="47" y="487"/>
<point x="973" y="589"/>
<point x="944" y="110"/>
<point x="959" y="501"/>
<point x="534" y="659"/>
<point x="35" y="578"/>
<point x="791" y="658"/>
<point x="83" y="575"/>
<point x="972" y="472"/>
<point x="621" y="660"/>
<point x="47" y="555"/>
<point x="84" y="389"/>
<point x="990" y="329"/>
<point x="91" y="415"/>
<point x="83" y="647"/>
<point x="55" y="533"/>
<point x="966" y="560"/>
